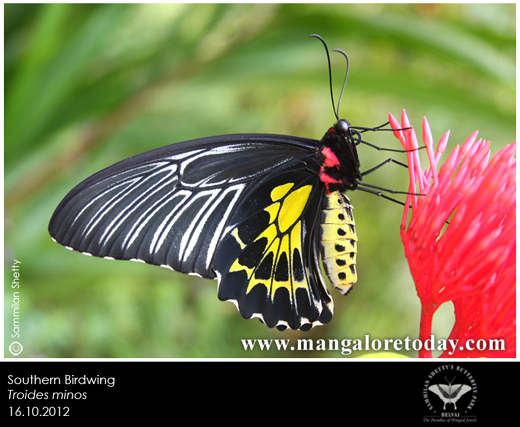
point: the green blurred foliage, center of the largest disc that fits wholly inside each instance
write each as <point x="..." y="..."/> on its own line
<point x="88" y="85"/>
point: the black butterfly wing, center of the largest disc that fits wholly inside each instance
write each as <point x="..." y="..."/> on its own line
<point x="170" y="206"/>
<point x="268" y="260"/>
<point x="243" y="208"/>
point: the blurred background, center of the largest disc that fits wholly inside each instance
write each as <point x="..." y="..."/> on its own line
<point x="89" y="85"/>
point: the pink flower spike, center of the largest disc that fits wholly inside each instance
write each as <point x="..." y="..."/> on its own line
<point x="428" y="141"/>
<point x="398" y="133"/>
<point x="404" y="120"/>
<point x="441" y="147"/>
<point x="394" y="124"/>
<point x="460" y="241"/>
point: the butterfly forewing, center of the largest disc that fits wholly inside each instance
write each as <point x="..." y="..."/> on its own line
<point x="169" y="206"/>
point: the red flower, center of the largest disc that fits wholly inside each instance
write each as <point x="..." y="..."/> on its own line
<point x="472" y="260"/>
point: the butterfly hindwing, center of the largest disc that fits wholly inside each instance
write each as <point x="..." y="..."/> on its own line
<point x="268" y="260"/>
<point x="169" y="206"/>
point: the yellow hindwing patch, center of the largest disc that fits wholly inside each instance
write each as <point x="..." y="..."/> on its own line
<point x="281" y="264"/>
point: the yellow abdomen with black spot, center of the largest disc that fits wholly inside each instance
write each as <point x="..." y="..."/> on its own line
<point x="339" y="241"/>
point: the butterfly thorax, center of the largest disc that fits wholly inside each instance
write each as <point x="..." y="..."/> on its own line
<point x="338" y="158"/>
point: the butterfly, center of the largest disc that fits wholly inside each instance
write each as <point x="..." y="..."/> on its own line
<point x="257" y="212"/>
<point x="449" y="393"/>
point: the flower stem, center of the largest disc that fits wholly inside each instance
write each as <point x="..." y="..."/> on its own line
<point x="425" y="330"/>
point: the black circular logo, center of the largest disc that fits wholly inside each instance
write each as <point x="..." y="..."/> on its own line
<point x="450" y="391"/>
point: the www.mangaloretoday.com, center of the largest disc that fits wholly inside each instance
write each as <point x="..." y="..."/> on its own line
<point x="347" y="346"/>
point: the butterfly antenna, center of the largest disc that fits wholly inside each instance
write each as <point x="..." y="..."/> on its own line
<point x="330" y="74"/>
<point x="346" y="76"/>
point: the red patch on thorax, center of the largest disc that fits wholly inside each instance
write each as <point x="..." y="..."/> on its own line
<point x="330" y="158"/>
<point x="331" y="161"/>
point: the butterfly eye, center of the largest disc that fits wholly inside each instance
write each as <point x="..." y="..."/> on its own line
<point x="344" y="126"/>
